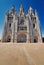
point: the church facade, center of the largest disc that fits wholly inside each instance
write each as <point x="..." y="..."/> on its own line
<point x="21" y="28"/>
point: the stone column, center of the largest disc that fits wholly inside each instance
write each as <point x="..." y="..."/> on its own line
<point x="27" y="22"/>
<point x="16" y="30"/>
<point x="38" y="28"/>
<point x="12" y="32"/>
<point x="39" y="32"/>
<point x="12" y="27"/>
<point x="31" y="29"/>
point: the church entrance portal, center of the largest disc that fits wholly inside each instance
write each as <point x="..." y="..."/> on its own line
<point x="21" y="38"/>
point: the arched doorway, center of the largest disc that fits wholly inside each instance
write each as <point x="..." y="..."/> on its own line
<point x="9" y="38"/>
<point x="21" y="38"/>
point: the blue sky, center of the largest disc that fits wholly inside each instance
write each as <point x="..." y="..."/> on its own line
<point x="6" y="5"/>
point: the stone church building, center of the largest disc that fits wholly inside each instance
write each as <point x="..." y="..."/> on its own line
<point x="21" y="28"/>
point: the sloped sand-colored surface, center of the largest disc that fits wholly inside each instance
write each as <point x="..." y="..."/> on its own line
<point x="21" y="54"/>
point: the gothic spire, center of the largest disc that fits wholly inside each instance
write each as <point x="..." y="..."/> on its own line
<point x="21" y="11"/>
<point x="21" y="8"/>
<point x="13" y="9"/>
<point x="31" y="11"/>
